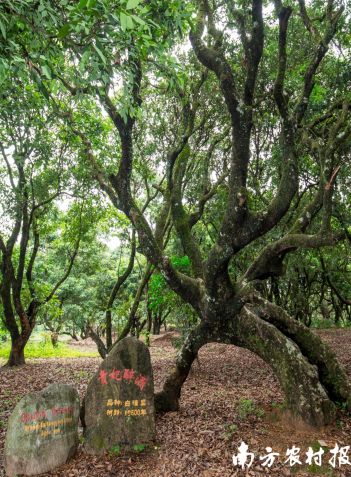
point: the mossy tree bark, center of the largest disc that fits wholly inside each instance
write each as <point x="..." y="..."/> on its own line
<point x="308" y="389"/>
<point x="227" y="311"/>
<point x="304" y="396"/>
<point x="332" y="374"/>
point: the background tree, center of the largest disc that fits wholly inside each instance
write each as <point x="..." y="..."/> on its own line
<point x="34" y="173"/>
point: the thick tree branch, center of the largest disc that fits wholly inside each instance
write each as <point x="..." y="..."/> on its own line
<point x="181" y="217"/>
<point x="312" y="347"/>
<point x="283" y="16"/>
<point x="253" y="48"/>
<point x="213" y="59"/>
<point x="308" y="22"/>
<point x="269" y="262"/>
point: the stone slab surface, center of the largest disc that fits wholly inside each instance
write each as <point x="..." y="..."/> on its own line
<point x="118" y="407"/>
<point x="43" y="431"/>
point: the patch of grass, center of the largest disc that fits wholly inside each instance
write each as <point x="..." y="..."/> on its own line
<point x="46" y="350"/>
<point x="324" y="469"/>
<point x="114" y="451"/>
<point x="230" y="431"/>
<point x="246" y="408"/>
<point x="141" y="447"/>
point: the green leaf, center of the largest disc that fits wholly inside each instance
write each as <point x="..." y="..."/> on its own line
<point x="63" y="31"/>
<point x="3" y="75"/>
<point x="138" y="20"/>
<point x="91" y="3"/>
<point x="40" y="84"/>
<point x="85" y="57"/>
<point x="82" y="4"/>
<point x="123" y="18"/>
<point x="3" y="29"/>
<point x="130" y="23"/>
<point x="100" y="54"/>
<point x="46" y="70"/>
<point x="193" y="28"/>
<point x="132" y="4"/>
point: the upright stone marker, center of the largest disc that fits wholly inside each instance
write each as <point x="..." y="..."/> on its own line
<point x="118" y="407"/>
<point x="43" y="431"/>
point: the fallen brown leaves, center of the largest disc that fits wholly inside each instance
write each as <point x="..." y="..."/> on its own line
<point x="197" y="440"/>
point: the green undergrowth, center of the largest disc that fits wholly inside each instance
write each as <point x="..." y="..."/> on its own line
<point x="324" y="470"/>
<point x="46" y="350"/>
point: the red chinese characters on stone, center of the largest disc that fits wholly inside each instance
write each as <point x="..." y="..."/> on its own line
<point x="117" y="375"/>
<point x="140" y="381"/>
<point x="102" y="377"/>
<point x="127" y="374"/>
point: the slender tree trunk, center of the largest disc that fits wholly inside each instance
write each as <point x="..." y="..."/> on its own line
<point x="139" y="326"/>
<point x="54" y="338"/>
<point x="103" y="351"/>
<point x="131" y="318"/>
<point x="157" y="323"/>
<point x="118" y="284"/>
<point x="136" y="327"/>
<point x="108" y="322"/>
<point x="148" y="309"/>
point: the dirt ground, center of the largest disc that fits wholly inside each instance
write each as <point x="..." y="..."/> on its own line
<point x="215" y="415"/>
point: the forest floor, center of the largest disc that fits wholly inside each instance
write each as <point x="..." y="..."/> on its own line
<point x="198" y="440"/>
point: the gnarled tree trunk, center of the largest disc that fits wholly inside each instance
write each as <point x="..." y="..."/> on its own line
<point x="227" y="310"/>
<point x="308" y="371"/>
<point x="332" y="374"/>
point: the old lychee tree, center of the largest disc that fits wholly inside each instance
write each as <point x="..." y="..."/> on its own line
<point x="244" y="136"/>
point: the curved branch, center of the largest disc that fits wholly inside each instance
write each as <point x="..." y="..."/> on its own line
<point x="65" y="276"/>
<point x="332" y="374"/>
<point x="270" y="259"/>
<point x="146" y="277"/>
<point x="118" y="284"/>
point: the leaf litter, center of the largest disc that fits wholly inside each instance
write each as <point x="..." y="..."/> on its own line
<point x="230" y="396"/>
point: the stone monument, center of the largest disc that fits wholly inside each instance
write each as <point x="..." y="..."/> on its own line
<point x="118" y="408"/>
<point x="43" y="431"/>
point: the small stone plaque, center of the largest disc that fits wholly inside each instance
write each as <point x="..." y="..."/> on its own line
<point x="118" y="408"/>
<point x="43" y="431"/>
